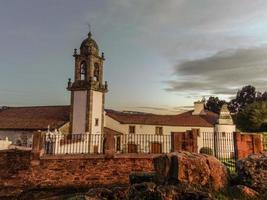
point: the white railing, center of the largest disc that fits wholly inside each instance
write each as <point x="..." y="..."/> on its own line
<point x="73" y="144"/>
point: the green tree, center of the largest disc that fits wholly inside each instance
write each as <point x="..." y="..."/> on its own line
<point x="214" y="104"/>
<point x="245" y="96"/>
<point x="253" y="118"/>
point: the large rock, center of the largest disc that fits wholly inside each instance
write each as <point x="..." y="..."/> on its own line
<point x="245" y="191"/>
<point x="151" y="191"/>
<point x="252" y="171"/>
<point x="191" y="168"/>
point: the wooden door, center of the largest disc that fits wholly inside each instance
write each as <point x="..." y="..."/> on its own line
<point x="132" y="148"/>
<point x="156" y="147"/>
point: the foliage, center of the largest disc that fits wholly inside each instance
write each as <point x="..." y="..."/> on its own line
<point x="245" y="96"/>
<point x="214" y="104"/>
<point x="206" y="150"/>
<point x="253" y="118"/>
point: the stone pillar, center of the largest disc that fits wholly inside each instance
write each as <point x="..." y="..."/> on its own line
<point x="237" y="142"/>
<point x="195" y="133"/>
<point x="176" y="141"/>
<point x="37" y="146"/>
<point x="109" y="145"/>
<point x="248" y="143"/>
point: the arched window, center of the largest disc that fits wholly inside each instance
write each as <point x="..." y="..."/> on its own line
<point x="83" y="71"/>
<point x="96" y="72"/>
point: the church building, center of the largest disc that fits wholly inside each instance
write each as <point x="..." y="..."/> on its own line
<point x="87" y="113"/>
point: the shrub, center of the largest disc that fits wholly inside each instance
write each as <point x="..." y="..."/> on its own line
<point x="206" y="150"/>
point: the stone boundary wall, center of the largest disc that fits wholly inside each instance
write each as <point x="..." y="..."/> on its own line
<point x="18" y="170"/>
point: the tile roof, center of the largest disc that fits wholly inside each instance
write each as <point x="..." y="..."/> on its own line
<point x="33" y="118"/>
<point x="40" y="117"/>
<point x="183" y="119"/>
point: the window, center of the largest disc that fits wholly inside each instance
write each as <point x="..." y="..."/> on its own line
<point x="96" y="122"/>
<point x="159" y="131"/>
<point x="83" y="71"/>
<point x="96" y="72"/>
<point x="131" y="129"/>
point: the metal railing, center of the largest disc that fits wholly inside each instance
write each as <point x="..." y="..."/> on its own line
<point x="73" y="144"/>
<point x="143" y="143"/>
<point x="221" y="145"/>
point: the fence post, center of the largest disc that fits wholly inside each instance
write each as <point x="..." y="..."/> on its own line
<point x="195" y="133"/>
<point x="237" y="140"/>
<point x="215" y="143"/>
<point x="257" y="143"/>
<point x="37" y="146"/>
<point x="109" y="145"/>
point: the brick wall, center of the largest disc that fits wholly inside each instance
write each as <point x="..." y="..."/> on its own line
<point x="247" y="143"/>
<point x="18" y="171"/>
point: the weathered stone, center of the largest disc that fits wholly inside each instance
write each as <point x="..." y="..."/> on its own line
<point x="245" y="191"/>
<point x="252" y="171"/>
<point x="140" y="177"/>
<point x="99" y="194"/>
<point x="165" y="192"/>
<point x="61" y="171"/>
<point x="191" y="168"/>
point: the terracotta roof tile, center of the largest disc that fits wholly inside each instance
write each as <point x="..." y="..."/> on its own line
<point x="34" y="118"/>
<point x="184" y="119"/>
<point x="40" y="117"/>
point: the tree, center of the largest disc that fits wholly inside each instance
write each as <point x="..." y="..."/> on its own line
<point x="264" y="96"/>
<point x="214" y="104"/>
<point x="253" y="118"/>
<point x="245" y="96"/>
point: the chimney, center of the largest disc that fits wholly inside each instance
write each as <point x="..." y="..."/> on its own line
<point x="199" y="108"/>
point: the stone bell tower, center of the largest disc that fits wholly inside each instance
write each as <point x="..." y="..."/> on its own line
<point x="87" y="89"/>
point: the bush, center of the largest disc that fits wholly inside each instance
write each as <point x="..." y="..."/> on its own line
<point x="206" y="150"/>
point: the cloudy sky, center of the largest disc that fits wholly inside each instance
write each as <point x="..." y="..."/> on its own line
<point x="161" y="56"/>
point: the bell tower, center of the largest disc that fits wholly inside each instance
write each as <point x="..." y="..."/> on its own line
<point x="87" y="89"/>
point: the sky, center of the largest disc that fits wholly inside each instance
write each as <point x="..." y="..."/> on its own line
<point x="161" y="56"/>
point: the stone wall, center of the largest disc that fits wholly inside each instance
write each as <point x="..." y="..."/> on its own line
<point x="17" y="170"/>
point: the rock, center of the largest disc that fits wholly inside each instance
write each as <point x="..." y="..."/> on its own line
<point x="252" y="172"/>
<point x="144" y="191"/>
<point x="99" y="194"/>
<point x="140" y="177"/>
<point x="191" y="168"/>
<point x="245" y="191"/>
<point x="150" y="191"/>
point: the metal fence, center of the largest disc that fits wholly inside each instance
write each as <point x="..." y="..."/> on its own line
<point x="221" y="145"/>
<point x="73" y="144"/>
<point x="143" y="143"/>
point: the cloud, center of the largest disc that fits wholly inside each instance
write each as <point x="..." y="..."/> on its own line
<point x="162" y="110"/>
<point x="222" y="73"/>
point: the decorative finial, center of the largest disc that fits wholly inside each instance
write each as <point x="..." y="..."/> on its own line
<point x="69" y="83"/>
<point x="75" y="51"/>
<point x="103" y="56"/>
<point x="106" y="85"/>
<point x="89" y="34"/>
<point x="89" y="27"/>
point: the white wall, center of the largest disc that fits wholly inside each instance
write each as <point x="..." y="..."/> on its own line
<point x="150" y="129"/>
<point x="97" y="110"/>
<point x="225" y="140"/>
<point x="79" y="112"/>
